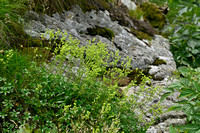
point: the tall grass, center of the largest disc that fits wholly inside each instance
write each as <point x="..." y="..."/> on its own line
<point x="10" y="28"/>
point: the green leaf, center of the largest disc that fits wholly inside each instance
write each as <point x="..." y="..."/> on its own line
<point x="184" y="70"/>
<point x="169" y="89"/>
<point x="185" y="93"/>
<point x="193" y="96"/>
<point x="195" y="51"/>
<point x="196" y="85"/>
<point x="194" y="127"/>
<point x="184" y="81"/>
<point x="182" y="102"/>
<point x="172" y="129"/>
<point x="175" y="108"/>
<point x="196" y="117"/>
<point x="164" y="96"/>
<point x="187" y="108"/>
<point x="198" y="131"/>
<point x="193" y="43"/>
<point x="175" y="85"/>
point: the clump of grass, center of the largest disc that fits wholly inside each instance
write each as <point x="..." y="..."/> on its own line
<point x="159" y="2"/>
<point x="52" y="6"/>
<point x="10" y="29"/>
<point x="137" y="13"/>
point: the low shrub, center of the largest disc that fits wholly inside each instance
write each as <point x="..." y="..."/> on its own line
<point x="185" y="32"/>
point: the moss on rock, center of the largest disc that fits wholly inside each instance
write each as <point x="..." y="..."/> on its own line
<point x="152" y="13"/>
<point x="102" y="31"/>
<point x="159" y="62"/>
<point x="141" y="35"/>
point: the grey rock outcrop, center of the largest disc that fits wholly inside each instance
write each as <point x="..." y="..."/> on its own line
<point x="76" y="23"/>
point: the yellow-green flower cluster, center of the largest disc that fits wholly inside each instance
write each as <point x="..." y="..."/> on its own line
<point x="5" y="58"/>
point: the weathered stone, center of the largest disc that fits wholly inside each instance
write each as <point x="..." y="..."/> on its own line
<point x="142" y="55"/>
<point x="130" y="4"/>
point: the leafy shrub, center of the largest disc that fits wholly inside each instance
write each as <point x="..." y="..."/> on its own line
<point x="185" y="32"/>
<point x="189" y="99"/>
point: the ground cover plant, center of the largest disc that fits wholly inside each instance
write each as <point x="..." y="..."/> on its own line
<point x="61" y="97"/>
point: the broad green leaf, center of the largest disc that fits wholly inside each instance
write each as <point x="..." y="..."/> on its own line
<point x="196" y="85"/>
<point x="186" y="92"/>
<point x="198" y="131"/>
<point x="184" y="70"/>
<point x="184" y="81"/>
<point x="175" y="108"/>
<point x="172" y="129"/>
<point x="193" y="96"/>
<point x="195" y="51"/>
<point x="175" y="85"/>
<point x="193" y="127"/>
<point x="164" y="96"/>
<point x="169" y="89"/>
<point x="182" y="102"/>
<point x="187" y="108"/>
<point x="193" y="43"/>
<point x="196" y="117"/>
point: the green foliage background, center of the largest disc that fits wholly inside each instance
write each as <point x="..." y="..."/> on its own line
<point x="39" y="95"/>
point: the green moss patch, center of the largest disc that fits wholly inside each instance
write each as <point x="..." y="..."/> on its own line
<point x="102" y="31"/>
<point x="140" y="35"/>
<point x="137" y="75"/>
<point x="159" y="62"/>
<point x="152" y="13"/>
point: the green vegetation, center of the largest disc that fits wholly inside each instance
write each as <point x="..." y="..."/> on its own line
<point x="153" y="15"/>
<point x="189" y="99"/>
<point x="102" y="31"/>
<point x="159" y="62"/>
<point x="159" y="2"/>
<point x="78" y="90"/>
<point x="57" y="97"/>
<point x="141" y="35"/>
<point x="52" y="6"/>
<point x="136" y="14"/>
<point x="185" y="33"/>
<point x="10" y="29"/>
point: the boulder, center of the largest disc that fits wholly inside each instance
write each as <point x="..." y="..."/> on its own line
<point x="143" y="53"/>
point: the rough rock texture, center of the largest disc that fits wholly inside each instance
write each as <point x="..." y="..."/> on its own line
<point x="166" y="119"/>
<point x="131" y="5"/>
<point x="76" y="23"/>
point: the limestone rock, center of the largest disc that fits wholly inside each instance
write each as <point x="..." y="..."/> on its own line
<point x="130" y="4"/>
<point x="76" y="23"/>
